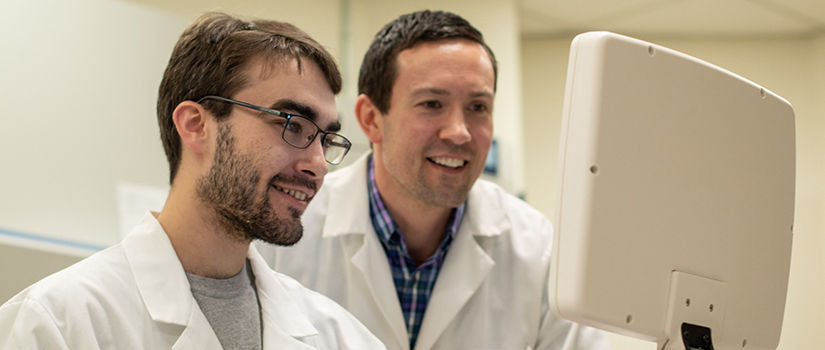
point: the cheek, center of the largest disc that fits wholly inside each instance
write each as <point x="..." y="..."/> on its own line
<point x="404" y="134"/>
<point x="271" y="156"/>
<point x="483" y="133"/>
<point x="276" y="159"/>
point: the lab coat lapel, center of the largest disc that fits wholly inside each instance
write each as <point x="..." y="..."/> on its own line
<point x="371" y="261"/>
<point x="163" y="286"/>
<point x="348" y="220"/>
<point x="465" y="268"/>
<point x="284" y="324"/>
<point x="198" y="334"/>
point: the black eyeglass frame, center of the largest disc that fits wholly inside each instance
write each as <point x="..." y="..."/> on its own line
<point x="289" y="116"/>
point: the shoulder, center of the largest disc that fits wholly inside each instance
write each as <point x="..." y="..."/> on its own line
<point x="516" y="211"/>
<point x="508" y="228"/>
<point x="336" y="325"/>
<point x="76" y="297"/>
<point x="98" y="274"/>
<point x="27" y="324"/>
<point x="318" y="307"/>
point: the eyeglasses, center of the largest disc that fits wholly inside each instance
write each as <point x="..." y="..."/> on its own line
<point x="299" y="131"/>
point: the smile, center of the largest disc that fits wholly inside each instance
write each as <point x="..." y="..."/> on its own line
<point x="453" y="163"/>
<point x="301" y="196"/>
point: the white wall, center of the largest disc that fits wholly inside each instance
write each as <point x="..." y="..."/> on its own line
<point x="791" y="68"/>
<point x="79" y="88"/>
<point x="319" y="18"/>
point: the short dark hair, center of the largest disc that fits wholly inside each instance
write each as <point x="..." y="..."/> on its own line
<point x="210" y="58"/>
<point x="380" y="69"/>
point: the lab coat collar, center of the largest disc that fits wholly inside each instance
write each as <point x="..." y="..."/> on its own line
<point x="165" y="290"/>
<point x="158" y="273"/>
<point x="346" y="221"/>
<point x="467" y="264"/>
<point x="279" y="310"/>
<point x="484" y="216"/>
<point x="348" y="199"/>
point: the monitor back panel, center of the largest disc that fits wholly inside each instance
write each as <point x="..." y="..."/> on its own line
<point x="670" y="164"/>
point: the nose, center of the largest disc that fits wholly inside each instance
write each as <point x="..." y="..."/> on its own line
<point x="455" y="129"/>
<point x="312" y="163"/>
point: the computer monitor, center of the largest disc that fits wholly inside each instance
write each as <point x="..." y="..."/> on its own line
<point x="676" y="198"/>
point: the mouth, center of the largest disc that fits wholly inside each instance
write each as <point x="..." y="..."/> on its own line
<point x="448" y="162"/>
<point x="301" y="196"/>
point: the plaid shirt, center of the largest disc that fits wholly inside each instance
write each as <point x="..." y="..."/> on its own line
<point x="413" y="284"/>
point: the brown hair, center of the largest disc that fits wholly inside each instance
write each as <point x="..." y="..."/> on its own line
<point x="379" y="68"/>
<point x="210" y="57"/>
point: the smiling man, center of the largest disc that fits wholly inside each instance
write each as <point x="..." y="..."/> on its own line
<point x="408" y="239"/>
<point x="247" y="118"/>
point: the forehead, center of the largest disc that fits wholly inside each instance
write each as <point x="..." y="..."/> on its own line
<point x="445" y="61"/>
<point x="270" y="81"/>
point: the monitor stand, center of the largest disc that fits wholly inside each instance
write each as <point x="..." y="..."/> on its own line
<point x="696" y="306"/>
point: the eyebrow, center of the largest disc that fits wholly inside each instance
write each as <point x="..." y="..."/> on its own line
<point x="305" y="111"/>
<point x="295" y="107"/>
<point x="436" y="91"/>
<point x="427" y="91"/>
<point x="484" y="94"/>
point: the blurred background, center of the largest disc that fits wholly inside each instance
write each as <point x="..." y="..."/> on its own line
<point x="80" y="151"/>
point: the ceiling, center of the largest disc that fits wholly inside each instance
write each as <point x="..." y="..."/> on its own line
<point x="678" y="18"/>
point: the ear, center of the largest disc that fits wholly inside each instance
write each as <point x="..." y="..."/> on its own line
<point x="369" y="118"/>
<point x="190" y="121"/>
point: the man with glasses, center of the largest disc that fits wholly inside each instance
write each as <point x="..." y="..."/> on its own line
<point x="247" y="118"/>
<point x="407" y="238"/>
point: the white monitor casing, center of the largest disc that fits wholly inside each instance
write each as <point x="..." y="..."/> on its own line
<point x="676" y="192"/>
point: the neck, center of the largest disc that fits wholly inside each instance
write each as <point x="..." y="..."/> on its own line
<point x="421" y="224"/>
<point x="423" y="227"/>
<point x="203" y="247"/>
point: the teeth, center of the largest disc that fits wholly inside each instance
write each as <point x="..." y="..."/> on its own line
<point x="298" y="195"/>
<point x="448" y="162"/>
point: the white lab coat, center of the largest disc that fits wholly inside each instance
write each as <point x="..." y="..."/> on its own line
<point x="491" y="293"/>
<point x="135" y="295"/>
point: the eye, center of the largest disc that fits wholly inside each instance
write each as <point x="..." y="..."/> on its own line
<point x="294" y="127"/>
<point x="479" y="108"/>
<point x="431" y="104"/>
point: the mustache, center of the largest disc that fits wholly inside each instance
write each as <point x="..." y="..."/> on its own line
<point x="301" y="181"/>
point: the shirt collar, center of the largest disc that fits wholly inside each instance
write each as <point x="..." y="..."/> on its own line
<point x="386" y="228"/>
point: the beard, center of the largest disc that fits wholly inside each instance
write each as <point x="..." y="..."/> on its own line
<point x="229" y="189"/>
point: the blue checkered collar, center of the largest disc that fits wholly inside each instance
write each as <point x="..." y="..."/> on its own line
<point x="387" y="230"/>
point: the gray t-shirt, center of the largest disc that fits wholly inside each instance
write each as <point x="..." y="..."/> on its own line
<point x="232" y="308"/>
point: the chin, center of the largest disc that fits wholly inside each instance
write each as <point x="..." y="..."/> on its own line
<point x="284" y="240"/>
